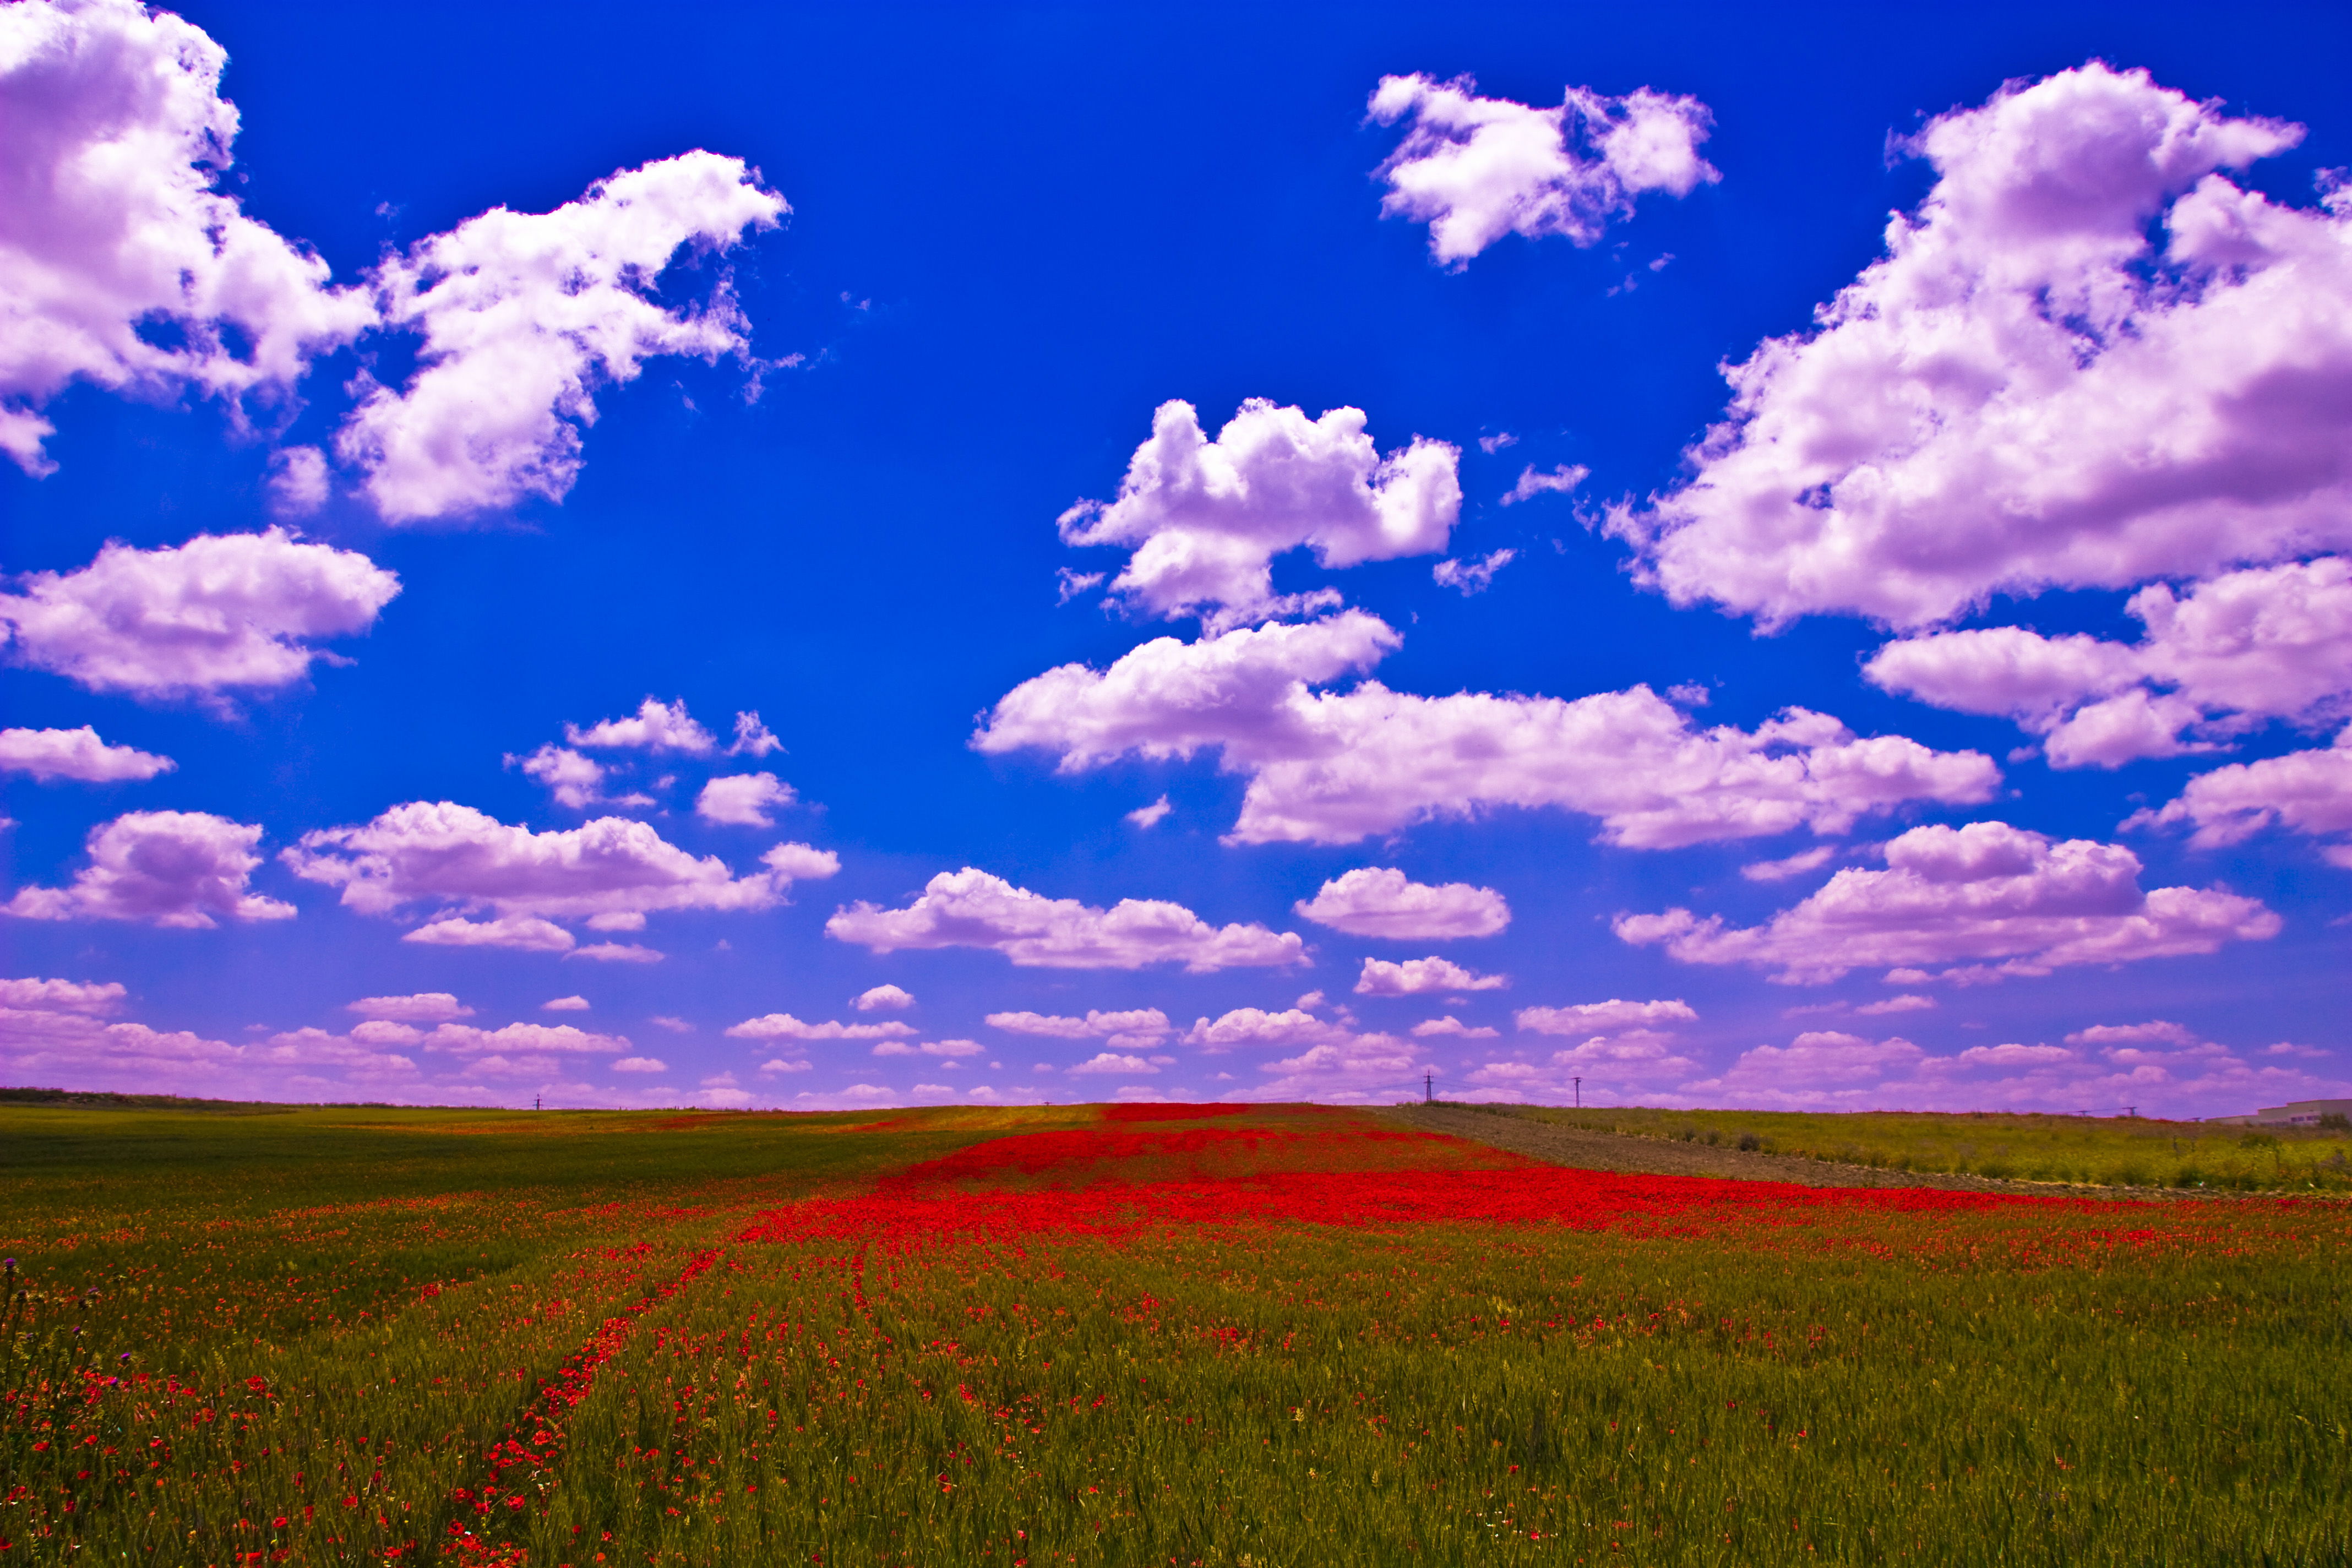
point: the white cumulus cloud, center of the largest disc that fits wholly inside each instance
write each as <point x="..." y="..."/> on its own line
<point x="785" y="1027"/>
<point x="2304" y="792"/>
<point x="523" y="933"/>
<point x="427" y="851"/>
<point x="220" y="611"/>
<point x="1476" y="169"/>
<point x="183" y="869"/>
<point x="1110" y="1062"/>
<point x="1452" y="1026"/>
<point x="1992" y="898"/>
<point x="1381" y="901"/>
<point x="110" y="222"/>
<point x="1335" y="767"/>
<point x="2087" y="360"/>
<point x="1256" y="1026"/>
<point x="742" y="799"/>
<point x="62" y="996"/>
<point x="1421" y="976"/>
<point x="522" y="318"/>
<point x="887" y="998"/>
<point x="76" y="754"/>
<point x="1609" y="1017"/>
<point x="2271" y="642"/>
<point x="424" y="1006"/>
<point x="971" y="908"/>
<point x="1205" y="518"/>
<point x="656" y="726"/>
<point x="1136" y="1025"/>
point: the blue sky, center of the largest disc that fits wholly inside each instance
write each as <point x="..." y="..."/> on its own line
<point x="822" y="488"/>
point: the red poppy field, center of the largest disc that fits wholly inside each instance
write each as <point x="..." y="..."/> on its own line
<point x="1213" y="1335"/>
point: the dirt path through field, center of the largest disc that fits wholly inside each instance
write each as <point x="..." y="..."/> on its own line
<point x="1561" y="1145"/>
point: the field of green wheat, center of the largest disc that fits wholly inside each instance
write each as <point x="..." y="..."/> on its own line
<point x="1099" y="1335"/>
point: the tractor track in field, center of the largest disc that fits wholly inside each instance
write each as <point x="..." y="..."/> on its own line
<point x="1560" y="1145"/>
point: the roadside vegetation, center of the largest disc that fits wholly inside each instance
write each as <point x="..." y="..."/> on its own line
<point x="2090" y="1150"/>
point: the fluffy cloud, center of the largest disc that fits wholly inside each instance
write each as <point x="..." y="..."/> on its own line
<point x="641" y="1064"/>
<point x="1640" y="1060"/>
<point x="2271" y="642"/>
<point x="445" y="852"/>
<point x="2026" y="393"/>
<point x="183" y="869"/>
<point x="1605" y="1018"/>
<point x="1984" y="893"/>
<point x="576" y="782"/>
<point x="1140" y="1025"/>
<point x="523" y="933"/>
<point x="1168" y="699"/>
<point x="1205" y="518"/>
<point x="55" y="1045"/>
<point x="1380" y="901"/>
<point x="1476" y="169"/>
<point x="886" y="997"/>
<point x="2104" y="1067"/>
<point x="1110" y="1062"/>
<point x="742" y="799"/>
<point x="424" y="1006"/>
<point x="522" y="317"/>
<point x="949" y="1048"/>
<point x="233" y="610"/>
<point x="1824" y="1056"/>
<point x="2304" y="792"/>
<point x="656" y="726"/>
<point x="562" y="1039"/>
<point x="785" y="1027"/>
<point x="564" y="1004"/>
<point x="1256" y="1026"/>
<point x="110" y="223"/>
<point x="1334" y="768"/>
<point x="110" y="227"/>
<point x="973" y="909"/>
<point x="1450" y="1024"/>
<point x="76" y="754"/>
<point x="1420" y="976"/>
<point x="1353" y="1069"/>
<point x="61" y="996"/>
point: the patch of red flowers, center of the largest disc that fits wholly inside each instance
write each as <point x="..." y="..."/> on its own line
<point x="908" y="1210"/>
<point x="1170" y="1112"/>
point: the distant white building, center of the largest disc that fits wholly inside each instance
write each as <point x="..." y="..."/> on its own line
<point x="2302" y="1113"/>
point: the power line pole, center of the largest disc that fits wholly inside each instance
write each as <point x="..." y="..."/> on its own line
<point x="1579" y="1092"/>
<point x="1429" y="1089"/>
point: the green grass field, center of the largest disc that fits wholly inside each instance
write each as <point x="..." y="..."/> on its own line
<point x="2117" y="1151"/>
<point x="1284" y="1336"/>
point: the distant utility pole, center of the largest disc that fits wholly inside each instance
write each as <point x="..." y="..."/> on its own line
<point x="1429" y="1089"/>
<point x="535" y="1104"/>
<point x="1579" y="1092"/>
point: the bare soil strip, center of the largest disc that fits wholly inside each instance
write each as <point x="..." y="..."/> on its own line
<point x="1558" y="1145"/>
